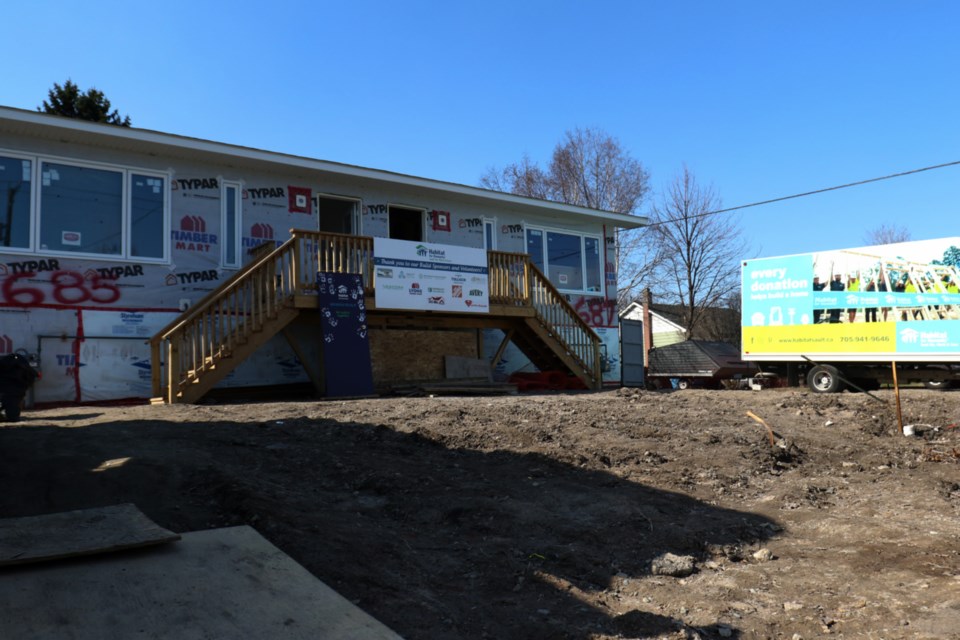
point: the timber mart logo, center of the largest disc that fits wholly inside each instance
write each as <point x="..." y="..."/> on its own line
<point x="261" y="230"/>
<point x="193" y="223"/>
<point x="6" y="345"/>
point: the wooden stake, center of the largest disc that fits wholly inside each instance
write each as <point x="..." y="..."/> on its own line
<point x="770" y="436"/>
<point x="896" y="393"/>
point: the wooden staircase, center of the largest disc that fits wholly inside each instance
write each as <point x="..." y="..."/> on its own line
<point x="197" y="350"/>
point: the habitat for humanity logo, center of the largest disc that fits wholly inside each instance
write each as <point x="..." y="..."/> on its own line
<point x="909" y="336"/>
<point x="433" y="254"/>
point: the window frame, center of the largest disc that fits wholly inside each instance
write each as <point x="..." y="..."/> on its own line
<point x="490" y="238"/>
<point x="126" y="207"/>
<point x="423" y="220"/>
<point x="584" y="290"/>
<point x="356" y="218"/>
<point x="128" y="215"/>
<point x="237" y="186"/>
<point x="33" y="227"/>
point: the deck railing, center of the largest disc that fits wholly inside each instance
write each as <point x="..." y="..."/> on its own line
<point x="226" y="317"/>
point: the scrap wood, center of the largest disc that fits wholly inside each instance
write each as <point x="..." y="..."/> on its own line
<point x="770" y="435"/>
<point x="78" y="533"/>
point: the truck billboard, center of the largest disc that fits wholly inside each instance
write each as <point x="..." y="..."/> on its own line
<point x="869" y="304"/>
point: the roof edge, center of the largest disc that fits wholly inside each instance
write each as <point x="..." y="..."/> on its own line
<point x="222" y="148"/>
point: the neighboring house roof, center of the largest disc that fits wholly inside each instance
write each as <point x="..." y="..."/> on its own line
<point x="699" y="358"/>
<point x="634" y="311"/>
<point x="81" y="132"/>
<point x="715" y="323"/>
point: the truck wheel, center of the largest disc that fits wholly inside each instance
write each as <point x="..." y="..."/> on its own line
<point x="938" y="385"/>
<point x="824" y="378"/>
<point x="683" y="383"/>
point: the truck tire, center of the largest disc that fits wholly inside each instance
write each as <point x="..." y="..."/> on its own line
<point x="824" y="378"/>
<point x="938" y="385"/>
<point x="683" y="383"/>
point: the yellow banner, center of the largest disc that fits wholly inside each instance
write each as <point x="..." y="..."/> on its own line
<point x="867" y="337"/>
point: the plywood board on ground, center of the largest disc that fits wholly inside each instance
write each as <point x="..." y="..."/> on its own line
<point x="78" y="533"/>
<point x="221" y="583"/>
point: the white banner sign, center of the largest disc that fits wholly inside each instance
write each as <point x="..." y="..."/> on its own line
<point x="430" y="277"/>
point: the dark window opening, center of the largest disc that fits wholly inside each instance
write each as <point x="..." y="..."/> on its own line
<point x="406" y="224"/>
<point x="336" y="214"/>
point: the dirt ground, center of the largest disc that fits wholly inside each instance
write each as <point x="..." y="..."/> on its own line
<point x="550" y="516"/>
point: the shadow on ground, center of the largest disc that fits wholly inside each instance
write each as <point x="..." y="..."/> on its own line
<point x="436" y="542"/>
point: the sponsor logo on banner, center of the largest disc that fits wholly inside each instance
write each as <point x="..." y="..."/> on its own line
<point x="476" y="293"/>
<point x="384" y="273"/>
<point x="435" y="300"/>
<point x="415" y="289"/>
<point x="456" y="291"/>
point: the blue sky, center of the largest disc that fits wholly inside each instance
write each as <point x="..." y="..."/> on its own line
<point x="759" y="99"/>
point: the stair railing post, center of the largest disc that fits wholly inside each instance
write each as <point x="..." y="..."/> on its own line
<point x="155" y="380"/>
<point x="295" y="267"/>
<point x="173" y="370"/>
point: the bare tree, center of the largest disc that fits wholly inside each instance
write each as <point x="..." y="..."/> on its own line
<point x="887" y="234"/>
<point x="700" y="252"/>
<point x="590" y="168"/>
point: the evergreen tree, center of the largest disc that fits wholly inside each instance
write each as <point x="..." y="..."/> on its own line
<point x="68" y="101"/>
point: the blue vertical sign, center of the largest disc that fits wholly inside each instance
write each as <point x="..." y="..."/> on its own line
<point x="343" y="321"/>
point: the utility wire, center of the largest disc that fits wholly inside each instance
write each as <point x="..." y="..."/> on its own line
<point x="808" y="193"/>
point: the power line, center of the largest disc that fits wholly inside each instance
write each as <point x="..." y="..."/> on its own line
<point x="810" y="193"/>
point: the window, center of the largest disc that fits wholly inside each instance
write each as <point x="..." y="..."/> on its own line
<point x="147" y="216"/>
<point x="230" y="223"/>
<point x="570" y="261"/>
<point x="489" y="234"/>
<point x="15" y="197"/>
<point x="336" y="214"/>
<point x="406" y="223"/>
<point x="83" y="209"/>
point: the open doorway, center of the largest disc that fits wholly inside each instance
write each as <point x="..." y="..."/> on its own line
<point x="337" y="214"/>
<point x="406" y="223"/>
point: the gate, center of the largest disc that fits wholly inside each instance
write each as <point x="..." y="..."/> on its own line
<point x="631" y="353"/>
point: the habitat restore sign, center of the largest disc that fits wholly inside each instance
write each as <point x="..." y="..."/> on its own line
<point x="430" y="277"/>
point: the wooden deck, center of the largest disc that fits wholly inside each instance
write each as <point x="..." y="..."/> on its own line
<point x="198" y="349"/>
